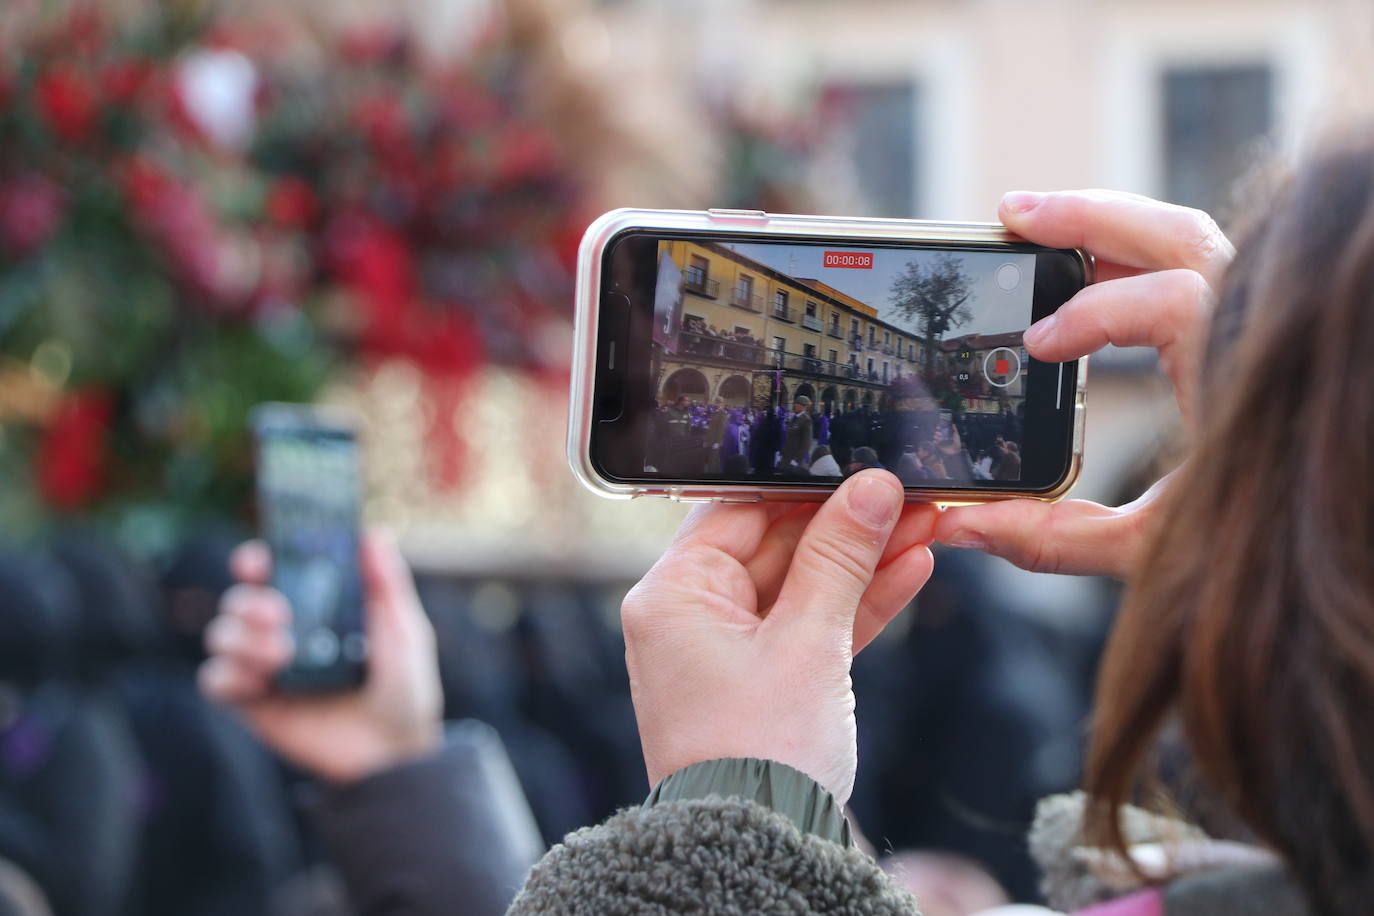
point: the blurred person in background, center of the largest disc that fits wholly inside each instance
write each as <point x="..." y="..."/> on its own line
<point x="796" y="446"/>
<point x="823" y="463"/>
<point x="418" y="819"/>
<point x="217" y="833"/>
<point x="70" y="769"/>
<point x="127" y="791"/>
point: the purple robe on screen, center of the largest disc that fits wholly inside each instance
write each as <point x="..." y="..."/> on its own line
<point x="729" y="443"/>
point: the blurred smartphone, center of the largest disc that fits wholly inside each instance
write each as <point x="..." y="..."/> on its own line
<point x="737" y="355"/>
<point x="309" y="487"/>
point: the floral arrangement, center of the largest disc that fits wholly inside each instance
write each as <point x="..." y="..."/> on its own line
<point x="195" y="218"/>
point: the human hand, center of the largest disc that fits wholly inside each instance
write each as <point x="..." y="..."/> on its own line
<point x="341" y="737"/>
<point x="739" y="640"/>
<point x="1158" y="266"/>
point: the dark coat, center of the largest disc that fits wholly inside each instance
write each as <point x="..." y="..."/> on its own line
<point x="446" y="834"/>
<point x="797" y="446"/>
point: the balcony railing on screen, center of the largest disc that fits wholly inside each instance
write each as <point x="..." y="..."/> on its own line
<point x="751" y="353"/>
<point x="814" y="365"/>
<point x="749" y="301"/>
<point x="697" y="282"/>
<point x="745" y="352"/>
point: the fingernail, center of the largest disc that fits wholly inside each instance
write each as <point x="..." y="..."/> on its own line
<point x="873" y="502"/>
<point x="966" y="540"/>
<point x="1039" y="332"/>
<point x="1021" y="201"/>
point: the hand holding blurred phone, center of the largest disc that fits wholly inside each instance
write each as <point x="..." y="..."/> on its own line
<point x="309" y="490"/>
<point x="717" y="351"/>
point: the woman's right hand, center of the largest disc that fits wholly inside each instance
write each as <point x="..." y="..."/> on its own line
<point x="1158" y="266"/>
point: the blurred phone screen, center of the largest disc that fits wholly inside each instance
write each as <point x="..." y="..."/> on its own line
<point x="308" y="480"/>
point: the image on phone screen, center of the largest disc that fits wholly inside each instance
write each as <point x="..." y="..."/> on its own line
<point x="308" y="480"/>
<point x="786" y="361"/>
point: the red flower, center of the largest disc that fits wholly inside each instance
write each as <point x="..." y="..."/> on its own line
<point x="143" y="180"/>
<point x="523" y="154"/>
<point x="125" y="80"/>
<point x="290" y="202"/>
<point x="71" y="458"/>
<point x="85" y="32"/>
<point x="175" y="217"/>
<point x="376" y="263"/>
<point x="375" y="45"/>
<point x="382" y="119"/>
<point x="68" y="104"/>
<point x="30" y="212"/>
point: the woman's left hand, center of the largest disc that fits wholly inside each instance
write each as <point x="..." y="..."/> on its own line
<point x="739" y="640"/>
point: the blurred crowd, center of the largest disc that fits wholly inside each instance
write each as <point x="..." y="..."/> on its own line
<point x="123" y="791"/>
<point x="686" y="438"/>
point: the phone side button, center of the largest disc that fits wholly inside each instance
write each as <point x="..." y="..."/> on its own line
<point x="716" y="499"/>
<point x="727" y="215"/>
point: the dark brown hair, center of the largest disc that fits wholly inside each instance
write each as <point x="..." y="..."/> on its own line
<point x="1251" y="613"/>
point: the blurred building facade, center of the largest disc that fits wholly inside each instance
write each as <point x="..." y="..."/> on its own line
<point x="953" y="103"/>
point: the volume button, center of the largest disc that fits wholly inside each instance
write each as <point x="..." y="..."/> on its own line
<point x="727" y="215"/>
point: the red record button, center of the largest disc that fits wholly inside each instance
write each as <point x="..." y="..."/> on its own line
<point x="1002" y="367"/>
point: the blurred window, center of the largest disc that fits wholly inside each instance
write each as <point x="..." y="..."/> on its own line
<point x="883" y="118"/>
<point x="1214" y="117"/>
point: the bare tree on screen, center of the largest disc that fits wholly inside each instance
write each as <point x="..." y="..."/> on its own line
<point x="935" y="293"/>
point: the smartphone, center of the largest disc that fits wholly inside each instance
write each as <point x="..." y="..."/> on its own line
<point x="309" y="489"/>
<point x="737" y="355"/>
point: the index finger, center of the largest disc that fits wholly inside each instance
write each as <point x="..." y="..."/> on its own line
<point x="1121" y="228"/>
<point x="735" y="530"/>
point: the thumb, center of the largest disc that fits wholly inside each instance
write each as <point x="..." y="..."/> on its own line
<point x="838" y="553"/>
<point x="392" y="603"/>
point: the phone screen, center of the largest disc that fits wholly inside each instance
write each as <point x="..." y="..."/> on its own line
<point x="309" y="483"/>
<point x="798" y="362"/>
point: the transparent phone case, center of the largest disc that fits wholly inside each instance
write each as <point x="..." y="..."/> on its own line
<point x="589" y="282"/>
